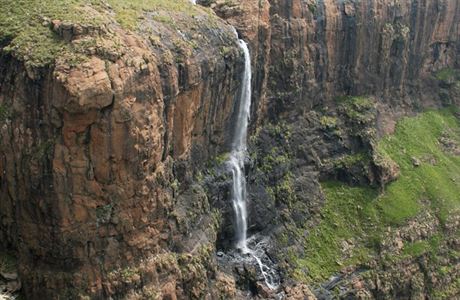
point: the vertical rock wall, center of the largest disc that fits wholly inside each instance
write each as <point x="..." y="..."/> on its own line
<point x="311" y="51"/>
<point x="87" y="155"/>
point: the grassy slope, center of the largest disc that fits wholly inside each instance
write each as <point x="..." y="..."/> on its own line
<point x="360" y="215"/>
<point x="24" y="32"/>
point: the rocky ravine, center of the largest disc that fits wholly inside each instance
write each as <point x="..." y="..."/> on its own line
<point x="109" y="187"/>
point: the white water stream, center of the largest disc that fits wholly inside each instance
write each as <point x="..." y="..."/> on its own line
<point x="239" y="152"/>
<point x="236" y="164"/>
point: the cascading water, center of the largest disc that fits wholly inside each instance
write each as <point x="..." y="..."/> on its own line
<point x="238" y="153"/>
<point x="236" y="164"/>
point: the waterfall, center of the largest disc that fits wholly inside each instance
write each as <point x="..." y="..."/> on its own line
<point x="236" y="160"/>
<point x="238" y="153"/>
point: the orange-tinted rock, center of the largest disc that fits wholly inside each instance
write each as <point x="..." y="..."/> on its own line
<point x="87" y="162"/>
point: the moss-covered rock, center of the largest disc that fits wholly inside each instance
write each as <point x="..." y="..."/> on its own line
<point x="37" y="32"/>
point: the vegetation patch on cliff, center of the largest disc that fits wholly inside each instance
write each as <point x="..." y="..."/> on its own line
<point x="29" y="31"/>
<point x="7" y="262"/>
<point x="128" y="13"/>
<point x="448" y="75"/>
<point x="428" y="173"/>
<point x="355" y="220"/>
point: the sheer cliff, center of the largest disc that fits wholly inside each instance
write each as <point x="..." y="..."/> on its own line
<point x="308" y="52"/>
<point x="335" y="77"/>
<point x="116" y="120"/>
<point x="92" y="140"/>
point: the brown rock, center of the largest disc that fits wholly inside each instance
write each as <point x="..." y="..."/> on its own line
<point x="225" y="285"/>
<point x="299" y="292"/>
<point x="100" y="138"/>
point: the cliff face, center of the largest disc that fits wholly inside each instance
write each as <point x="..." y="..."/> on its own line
<point x="312" y="51"/>
<point x="316" y="60"/>
<point x="103" y="151"/>
<point x="87" y="153"/>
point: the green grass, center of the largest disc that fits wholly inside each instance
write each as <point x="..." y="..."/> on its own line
<point x="26" y="32"/>
<point x="361" y="214"/>
<point x="448" y="75"/>
<point x="129" y="12"/>
<point x="348" y="214"/>
<point x="436" y="182"/>
<point x="29" y="37"/>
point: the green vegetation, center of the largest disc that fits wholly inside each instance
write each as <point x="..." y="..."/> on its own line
<point x="448" y="75"/>
<point x="275" y="158"/>
<point x="129" y="12"/>
<point x="416" y="249"/>
<point x="436" y="179"/>
<point x="7" y="262"/>
<point x="280" y="129"/>
<point x="351" y="160"/>
<point x="449" y="292"/>
<point x="283" y="190"/>
<point x="328" y="122"/>
<point x="128" y="274"/>
<point x="26" y="30"/>
<point x="356" y="108"/>
<point x="26" y="25"/>
<point x="222" y="158"/>
<point x="5" y="113"/>
<point x="348" y="214"/>
<point x="354" y="219"/>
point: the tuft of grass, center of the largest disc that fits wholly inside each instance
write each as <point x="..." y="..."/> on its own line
<point x="356" y="108"/>
<point x="5" y="113"/>
<point x="350" y="160"/>
<point x="418" y="248"/>
<point x="222" y="158"/>
<point x="328" y="122"/>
